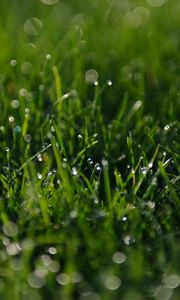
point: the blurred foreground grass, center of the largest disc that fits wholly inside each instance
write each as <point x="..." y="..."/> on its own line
<point x="89" y="160"/>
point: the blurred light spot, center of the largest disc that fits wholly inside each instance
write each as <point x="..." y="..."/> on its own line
<point x="112" y="282"/>
<point x="119" y="257"/>
<point x="172" y="281"/>
<point x="128" y="240"/>
<point x="27" y="138"/>
<point x="91" y="76"/>
<point x="33" y="26"/>
<point x="52" y="250"/>
<point x="132" y="19"/>
<point x="13" y="62"/>
<point x="90" y="296"/>
<point x="155" y="3"/>
<point x="13" y="249"/>
<point x="49" y="2"/>
<point x="35" y="281"/>
<point x="54" y="266"/>
<point x="48" y="56"/>
<point x="15" y="103"/>
<point x="76" y="277"/>
<point x="63" y="279"/>
<point x="29" y="295"/>
<point x="26" y="68"/>
<point x="162" y="293"/>
<point x="133" y="295"/>
<point x="10" y="229"/>
<point x="23" y="92"/>
<point x="11" y="119"/>
<point x="74" y="172"/>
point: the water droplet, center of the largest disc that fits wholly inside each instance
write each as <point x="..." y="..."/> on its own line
<point x="97" y="167"/>
<point x="33" y="26"/>
<point x="74" y="171"/>
<point x="26" y="68"/>
<point x="7" y="149"/>
<point x="144" y="170"/>
<point x="50" y="2"/>
<point x="39" y="175"/>
<point x="112" y="282"/>
<point x="109" y="82"/>
<point x="91" y="76"/>
<point x="40" y="157"/>
<point x="119" y="257"/>
<point x="13" y="62"/>
<point x="166" y="127"/>
<point x="80" y="137"/>
<point x="150" y="165"/>
<point x="104" y="163"/>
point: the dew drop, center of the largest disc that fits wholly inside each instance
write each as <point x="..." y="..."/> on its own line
<point x="74" y="171"/>
<point x="109" y="82"/>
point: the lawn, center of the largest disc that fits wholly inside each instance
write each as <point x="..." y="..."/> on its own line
<point x="89" y="150"/>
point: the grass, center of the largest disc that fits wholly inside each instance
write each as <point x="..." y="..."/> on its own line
<point x="89" y="160"/>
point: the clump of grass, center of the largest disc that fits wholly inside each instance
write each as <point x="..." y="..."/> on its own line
<point x="89" y="139"/>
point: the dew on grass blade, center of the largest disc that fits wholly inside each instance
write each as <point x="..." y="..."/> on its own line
<point x="50" y="2"/>
<point x="166" y="127"/>
<point x="112" y="282"/>
<point x="33" y="26"/>
<point x="74" y="171"/>
<point x="39" y="175"/>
